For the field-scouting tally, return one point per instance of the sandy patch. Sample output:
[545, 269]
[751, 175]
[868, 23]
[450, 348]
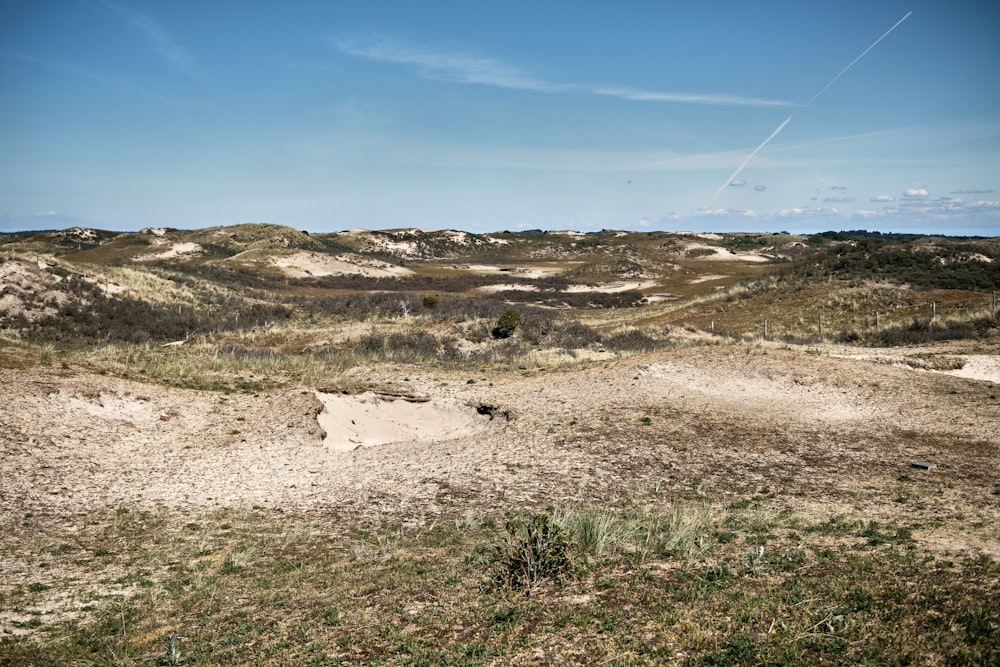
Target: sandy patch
[660, 298]
[706, 278]
[504, 287]
[979, 367]
[785, 397]
[305, 264]
[726, 255]
[701, 235]
[370, 419]
[983, 367]
[612, 288]
[531, 271]
[175, 250]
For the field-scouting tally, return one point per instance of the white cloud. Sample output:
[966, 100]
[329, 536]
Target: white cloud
[446, 63]
[459, 65]
[883, 198]
[915, 193]
[803, 211]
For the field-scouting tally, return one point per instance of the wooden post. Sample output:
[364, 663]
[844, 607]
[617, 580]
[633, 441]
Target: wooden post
[765, 329]
[820, 325]
[712, 326]
[933, 310]
[876, 320]
[994, 310]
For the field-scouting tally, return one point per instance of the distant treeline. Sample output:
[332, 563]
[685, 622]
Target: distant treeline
[946, 265]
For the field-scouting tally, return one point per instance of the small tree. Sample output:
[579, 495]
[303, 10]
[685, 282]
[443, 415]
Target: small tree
[506, 324]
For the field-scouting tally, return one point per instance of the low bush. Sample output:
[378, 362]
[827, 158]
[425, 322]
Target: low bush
[506, 324]
[535, 549]
[631, 340]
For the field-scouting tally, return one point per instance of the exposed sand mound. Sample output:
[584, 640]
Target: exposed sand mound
[305, 264]
[175, 250]
[612, 288]
[726, 255]
[369, 419]
[787, 397]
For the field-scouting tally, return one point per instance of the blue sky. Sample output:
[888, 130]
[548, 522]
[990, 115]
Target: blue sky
[489, 116]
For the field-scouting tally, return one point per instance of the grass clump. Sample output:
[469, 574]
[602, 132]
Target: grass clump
[536, 549]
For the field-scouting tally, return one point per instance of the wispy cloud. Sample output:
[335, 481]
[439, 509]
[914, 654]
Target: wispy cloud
[159, 40]
[448, 63]
[104, 80]
[459, 65]
[720, 99]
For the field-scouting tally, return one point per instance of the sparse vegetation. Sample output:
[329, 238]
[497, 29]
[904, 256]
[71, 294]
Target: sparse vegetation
[211, 593]
[664, 530]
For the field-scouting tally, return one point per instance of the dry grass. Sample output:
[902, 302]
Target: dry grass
[244, 586]
[676, 529]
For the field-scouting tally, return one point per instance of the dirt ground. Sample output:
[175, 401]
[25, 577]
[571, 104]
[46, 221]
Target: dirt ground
[828, 433]
[821, 433]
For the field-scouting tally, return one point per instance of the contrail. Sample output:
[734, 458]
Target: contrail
[747, 159]
[815, 97]
[834, 79]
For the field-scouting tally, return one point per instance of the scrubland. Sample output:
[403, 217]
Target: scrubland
[667, 448]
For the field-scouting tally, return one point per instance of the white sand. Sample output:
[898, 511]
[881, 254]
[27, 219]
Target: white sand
[369, 419]
[726, 255]
[175, 250]
[612, 288]
[303, 264]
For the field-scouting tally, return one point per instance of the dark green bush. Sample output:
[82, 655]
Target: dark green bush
[506, 324]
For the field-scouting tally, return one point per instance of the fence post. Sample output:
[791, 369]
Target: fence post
[712, 326]
[765, 329]
[876, 320]
[994, 310]
[933, 310]
[821, 325]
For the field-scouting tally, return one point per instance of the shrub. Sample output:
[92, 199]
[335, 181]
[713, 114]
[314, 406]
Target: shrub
[535, 549]
[506, 324]
[632, 339]
[575, 334]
